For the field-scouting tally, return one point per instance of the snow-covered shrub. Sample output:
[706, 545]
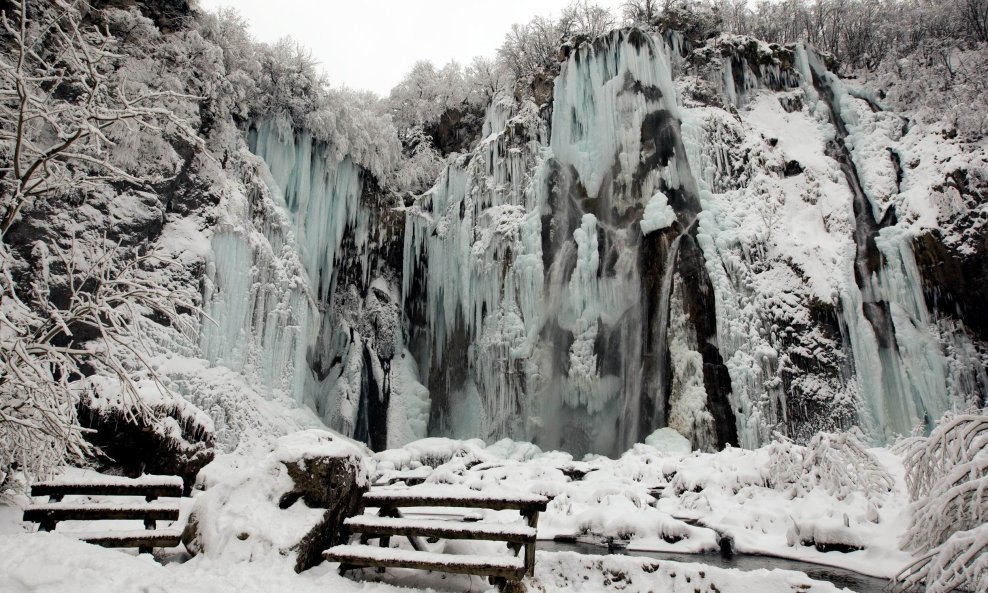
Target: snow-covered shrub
[85, 315]
[837, 462]
[947, 476]
[785, 465]
[941, 81]
[840, 464]
[419, 170]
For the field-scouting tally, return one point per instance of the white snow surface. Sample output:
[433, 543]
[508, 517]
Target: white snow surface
[238, 513]
[105, 480]
[657, 500]
[652, 500]
[658, 214]
[50, 563]
[669, 441]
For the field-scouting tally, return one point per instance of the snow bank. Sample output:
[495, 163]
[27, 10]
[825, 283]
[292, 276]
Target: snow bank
[669, 441]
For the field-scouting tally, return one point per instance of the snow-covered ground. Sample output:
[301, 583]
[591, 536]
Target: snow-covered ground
[650, 499]
[660, 501]
[54, 564]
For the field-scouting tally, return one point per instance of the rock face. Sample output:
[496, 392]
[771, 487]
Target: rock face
[291, 499]
[324, 482]
[711, 235]
[166, 445]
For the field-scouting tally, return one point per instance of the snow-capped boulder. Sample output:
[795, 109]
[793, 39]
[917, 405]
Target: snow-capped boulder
[176, 438]
[669, 441]
[290, 500]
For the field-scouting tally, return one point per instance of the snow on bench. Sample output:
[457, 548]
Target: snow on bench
[506, 567]
[520, 534]
[150, 487]
[390, 522]
[160, 538]
[445, 496]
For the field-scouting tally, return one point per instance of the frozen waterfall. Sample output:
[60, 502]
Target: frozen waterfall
[695, 244]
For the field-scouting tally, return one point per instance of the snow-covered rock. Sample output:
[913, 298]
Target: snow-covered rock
[289, 499]
[669, 441]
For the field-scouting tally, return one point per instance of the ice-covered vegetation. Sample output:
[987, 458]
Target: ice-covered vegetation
[947, 477]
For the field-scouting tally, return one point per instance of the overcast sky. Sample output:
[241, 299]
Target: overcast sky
[371, 44]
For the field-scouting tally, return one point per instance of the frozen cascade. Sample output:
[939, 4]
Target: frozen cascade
[899, 366]
[321, 194]
[260, 316]
[472, 281]
[528, 264]
[583, 281]
[662, 339]
[282, 313]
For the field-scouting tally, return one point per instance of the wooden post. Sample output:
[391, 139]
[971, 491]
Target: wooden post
[533, 522]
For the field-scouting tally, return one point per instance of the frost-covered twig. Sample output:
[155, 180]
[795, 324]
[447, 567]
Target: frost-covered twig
[947, 476]
[60, 99]
[93, 324]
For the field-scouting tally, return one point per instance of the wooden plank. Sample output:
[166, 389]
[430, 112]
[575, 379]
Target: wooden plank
[110, 489]
[47, 513]
[410, 498]
[133, 539]
[367, 556]
[445, 529]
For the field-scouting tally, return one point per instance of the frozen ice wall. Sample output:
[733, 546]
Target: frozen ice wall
[536, 268]
[681, 238]
[300, 294]
[711, 239]
[900, 366]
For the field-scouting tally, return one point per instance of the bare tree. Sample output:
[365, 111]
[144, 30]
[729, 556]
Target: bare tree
[583, 18]
[60, 106]
[976, 14]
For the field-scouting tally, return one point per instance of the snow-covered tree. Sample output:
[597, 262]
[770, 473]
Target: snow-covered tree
[947, 477]
[61, 107]
[531, 49]
[975, 12]
[65, 106]
[485, 79]
[47, 345]
[586, 19]
[642, 12]
[427, 92]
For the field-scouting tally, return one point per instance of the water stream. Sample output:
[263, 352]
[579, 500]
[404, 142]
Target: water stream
[840, 577]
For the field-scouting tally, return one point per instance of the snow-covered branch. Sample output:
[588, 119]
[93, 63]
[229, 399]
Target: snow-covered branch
[947, 476]
[61, 104]
[94, 326]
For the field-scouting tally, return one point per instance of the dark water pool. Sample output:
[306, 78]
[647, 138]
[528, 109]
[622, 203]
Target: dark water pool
[838, 576]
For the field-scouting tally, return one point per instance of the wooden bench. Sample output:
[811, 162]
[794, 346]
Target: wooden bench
[48, 515]
[390, 522]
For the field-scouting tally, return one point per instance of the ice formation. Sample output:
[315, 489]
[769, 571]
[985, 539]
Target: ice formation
[710, 239]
